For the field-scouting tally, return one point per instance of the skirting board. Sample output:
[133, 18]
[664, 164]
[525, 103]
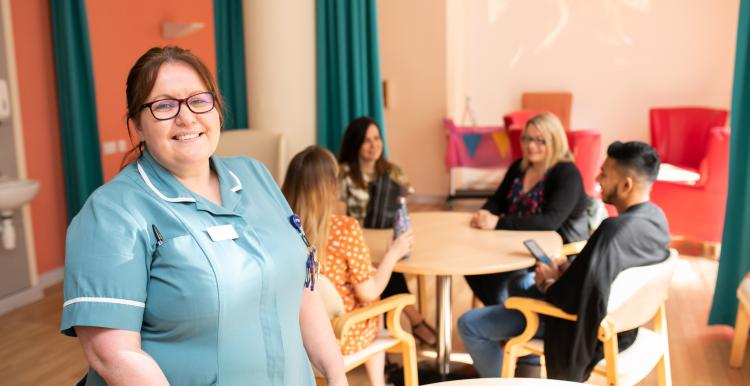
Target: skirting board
[29, 295]
[51, 278]
[20, 299]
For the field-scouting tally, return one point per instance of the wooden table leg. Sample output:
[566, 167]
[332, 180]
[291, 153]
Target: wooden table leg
[444, 324]
[421, 294]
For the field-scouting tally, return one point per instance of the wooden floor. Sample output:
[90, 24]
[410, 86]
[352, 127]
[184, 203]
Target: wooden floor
[33, 352]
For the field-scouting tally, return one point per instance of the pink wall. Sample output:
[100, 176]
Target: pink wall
[36, 79]
[120, 32]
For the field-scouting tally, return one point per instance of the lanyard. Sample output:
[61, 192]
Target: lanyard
[312, 266]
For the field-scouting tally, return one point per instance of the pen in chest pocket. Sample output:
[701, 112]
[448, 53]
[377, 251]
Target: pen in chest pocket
[157, 234]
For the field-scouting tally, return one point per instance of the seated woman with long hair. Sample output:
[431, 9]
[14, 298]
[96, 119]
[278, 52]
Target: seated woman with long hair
[363, 164]
[311, 188]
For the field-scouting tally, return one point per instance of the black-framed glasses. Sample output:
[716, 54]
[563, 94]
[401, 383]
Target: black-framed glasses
[164, 109]
[529, 139]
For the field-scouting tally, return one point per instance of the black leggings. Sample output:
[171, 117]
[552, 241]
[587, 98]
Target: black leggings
[396, 285]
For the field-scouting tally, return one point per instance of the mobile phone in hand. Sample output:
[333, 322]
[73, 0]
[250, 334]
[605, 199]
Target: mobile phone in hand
[537, 252]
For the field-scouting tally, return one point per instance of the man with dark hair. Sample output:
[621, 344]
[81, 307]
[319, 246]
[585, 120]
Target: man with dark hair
[638, 236]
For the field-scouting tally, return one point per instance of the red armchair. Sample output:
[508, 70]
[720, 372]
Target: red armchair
[680, 135]
[586, 146]
[696, 210]
[517, 119]
[514, 136]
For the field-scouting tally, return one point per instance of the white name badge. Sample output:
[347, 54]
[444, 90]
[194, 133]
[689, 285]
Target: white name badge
[222, 232]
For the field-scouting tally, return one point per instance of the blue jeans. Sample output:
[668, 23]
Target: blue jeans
[492, 289]
[482, 328]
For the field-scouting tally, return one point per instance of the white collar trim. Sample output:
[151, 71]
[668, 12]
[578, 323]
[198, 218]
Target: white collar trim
[235, 188]
[158, 193]
[238, 184]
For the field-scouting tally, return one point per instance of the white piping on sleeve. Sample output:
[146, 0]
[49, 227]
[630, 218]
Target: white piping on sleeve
[105, 300]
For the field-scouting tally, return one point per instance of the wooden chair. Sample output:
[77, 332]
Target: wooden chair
[637, 296]
[392, 339]
[741, 326]
[268, 147]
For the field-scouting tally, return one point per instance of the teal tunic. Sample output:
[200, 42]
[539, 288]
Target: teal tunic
[210, 310]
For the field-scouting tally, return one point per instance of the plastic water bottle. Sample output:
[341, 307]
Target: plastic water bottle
[401, 221]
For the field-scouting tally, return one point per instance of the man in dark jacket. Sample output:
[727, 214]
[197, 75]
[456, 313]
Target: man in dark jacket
[638, 236]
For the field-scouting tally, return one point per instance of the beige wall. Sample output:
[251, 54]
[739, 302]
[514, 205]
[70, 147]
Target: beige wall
[412, 51]
[617, 57]
[280, 60]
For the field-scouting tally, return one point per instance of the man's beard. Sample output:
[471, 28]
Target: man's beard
[608, 196]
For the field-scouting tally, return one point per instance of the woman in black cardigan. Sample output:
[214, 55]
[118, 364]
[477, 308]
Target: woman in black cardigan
[541, 191]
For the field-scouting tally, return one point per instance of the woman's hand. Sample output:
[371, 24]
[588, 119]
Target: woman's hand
[484, 220]
[370, 289]
[401, 246]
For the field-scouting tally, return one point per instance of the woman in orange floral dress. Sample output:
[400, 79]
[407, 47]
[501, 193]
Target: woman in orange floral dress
[311, 187]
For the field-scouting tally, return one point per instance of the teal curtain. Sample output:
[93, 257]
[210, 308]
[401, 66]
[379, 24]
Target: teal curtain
[230, 61]
[348, 67]
[82, 163]
[735, 245]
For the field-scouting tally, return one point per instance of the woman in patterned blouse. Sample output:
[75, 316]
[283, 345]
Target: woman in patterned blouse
[543, 190]
[311, 188]
[361, 162]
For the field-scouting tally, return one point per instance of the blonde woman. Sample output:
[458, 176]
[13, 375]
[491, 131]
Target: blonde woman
[311, 187]
[541, 191]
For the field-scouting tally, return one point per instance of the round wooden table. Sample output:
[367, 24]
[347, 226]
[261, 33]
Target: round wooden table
[446, 245]
[506, 382]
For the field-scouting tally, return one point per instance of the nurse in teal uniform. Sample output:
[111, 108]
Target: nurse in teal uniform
[185, 268]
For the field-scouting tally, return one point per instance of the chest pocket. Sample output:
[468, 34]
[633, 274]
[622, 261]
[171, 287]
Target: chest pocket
[182, 283]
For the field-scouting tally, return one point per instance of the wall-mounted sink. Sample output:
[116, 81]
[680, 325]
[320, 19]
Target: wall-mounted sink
[14, 193]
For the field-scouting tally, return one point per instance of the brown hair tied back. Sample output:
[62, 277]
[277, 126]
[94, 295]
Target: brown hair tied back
[141, 79]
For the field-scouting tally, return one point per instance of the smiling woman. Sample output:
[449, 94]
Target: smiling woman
[159, 76]
[182, 140]
[541, 191]
[193, 256]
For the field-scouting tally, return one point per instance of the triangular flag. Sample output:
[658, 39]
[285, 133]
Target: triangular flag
[472, 143]
[502, 142]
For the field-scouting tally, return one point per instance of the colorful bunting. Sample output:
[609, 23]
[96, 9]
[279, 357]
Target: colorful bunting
[502, 142]
[472, 143]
